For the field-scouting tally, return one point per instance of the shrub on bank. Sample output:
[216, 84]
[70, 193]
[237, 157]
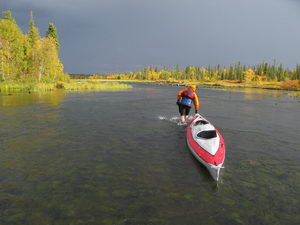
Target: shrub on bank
[291, 85]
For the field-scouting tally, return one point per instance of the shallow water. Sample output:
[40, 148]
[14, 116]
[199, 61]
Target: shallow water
[121, 158]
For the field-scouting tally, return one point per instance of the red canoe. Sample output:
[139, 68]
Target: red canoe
[206, 144]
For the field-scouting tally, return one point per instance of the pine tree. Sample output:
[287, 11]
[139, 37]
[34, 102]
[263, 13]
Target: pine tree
[34, 51]
[33, 33]
[297, 75]
[52, 33]
[177, 72]
[8, 16]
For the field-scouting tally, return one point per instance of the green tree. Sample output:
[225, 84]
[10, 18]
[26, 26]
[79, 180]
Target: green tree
[33, 52]
[33, 32]
[8, 16]
[52, 33]
[297, 72]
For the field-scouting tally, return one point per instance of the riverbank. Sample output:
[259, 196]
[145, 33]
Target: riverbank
[292, 85]
[112, 84]
[73, 85]
[274, 85]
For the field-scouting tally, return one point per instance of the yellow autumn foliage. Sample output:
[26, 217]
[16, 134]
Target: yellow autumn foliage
[250, 76]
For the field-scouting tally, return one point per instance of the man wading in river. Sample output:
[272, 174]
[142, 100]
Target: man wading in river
[185, 99]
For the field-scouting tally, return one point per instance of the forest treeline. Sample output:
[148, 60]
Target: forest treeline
[236, 72]
[29, 57]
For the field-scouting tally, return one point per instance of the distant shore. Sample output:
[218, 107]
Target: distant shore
[272, 85]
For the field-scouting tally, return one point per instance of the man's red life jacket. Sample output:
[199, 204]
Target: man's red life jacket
[187, 97]
[189, 93]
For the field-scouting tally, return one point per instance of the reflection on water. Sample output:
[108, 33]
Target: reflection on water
[120, 158]
[15, 99]
[257, 93]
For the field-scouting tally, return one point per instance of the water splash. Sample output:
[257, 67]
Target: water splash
[175, 119]
[162, 117]
[182, 123]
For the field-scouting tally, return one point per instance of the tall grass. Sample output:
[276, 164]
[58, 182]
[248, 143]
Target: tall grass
[25, 87]
[74, 85]
[84, 85]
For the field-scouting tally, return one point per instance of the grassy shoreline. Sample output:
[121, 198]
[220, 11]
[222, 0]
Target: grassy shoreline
[261, 85]
[271, 85]
[73, 85]
[112, 84]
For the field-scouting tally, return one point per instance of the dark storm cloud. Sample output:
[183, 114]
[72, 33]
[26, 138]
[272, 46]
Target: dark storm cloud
[124, 35]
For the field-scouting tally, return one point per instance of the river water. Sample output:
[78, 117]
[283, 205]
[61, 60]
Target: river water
[120, 158]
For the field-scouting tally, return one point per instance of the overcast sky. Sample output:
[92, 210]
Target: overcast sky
[105, 36]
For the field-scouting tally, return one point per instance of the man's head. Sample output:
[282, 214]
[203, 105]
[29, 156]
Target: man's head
[193, 87]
